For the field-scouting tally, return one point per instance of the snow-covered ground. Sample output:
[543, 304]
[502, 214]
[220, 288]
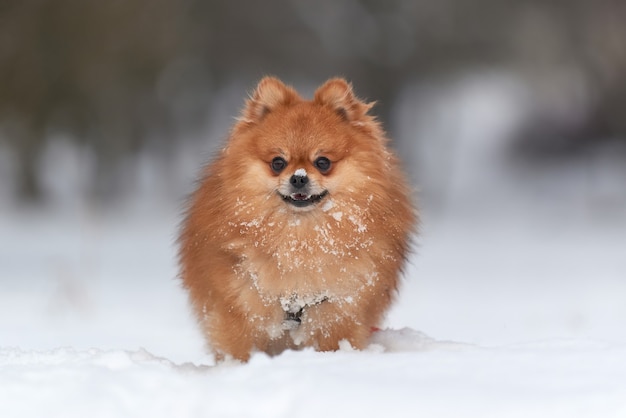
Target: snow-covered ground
[495, 319]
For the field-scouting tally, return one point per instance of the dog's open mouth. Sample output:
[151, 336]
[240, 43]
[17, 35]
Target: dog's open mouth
[302, 200]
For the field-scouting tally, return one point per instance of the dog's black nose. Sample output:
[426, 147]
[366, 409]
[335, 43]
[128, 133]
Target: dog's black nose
[298, 182]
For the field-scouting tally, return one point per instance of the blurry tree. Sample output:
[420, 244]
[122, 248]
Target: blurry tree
[84, 67]
[579, 48]
[119, 74]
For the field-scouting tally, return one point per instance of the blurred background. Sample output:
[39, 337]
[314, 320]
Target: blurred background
[510, 117]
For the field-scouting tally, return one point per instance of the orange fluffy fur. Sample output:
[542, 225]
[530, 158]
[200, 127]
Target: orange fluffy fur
[249, 257]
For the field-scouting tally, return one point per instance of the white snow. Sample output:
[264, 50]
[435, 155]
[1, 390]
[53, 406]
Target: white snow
[328, 204]
[360, 226]
[523, 321]
[424, 378]
[295, 303]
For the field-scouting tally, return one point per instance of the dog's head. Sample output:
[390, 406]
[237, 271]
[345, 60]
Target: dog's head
[300, 153]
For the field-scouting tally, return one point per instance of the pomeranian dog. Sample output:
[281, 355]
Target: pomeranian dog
[299, 229]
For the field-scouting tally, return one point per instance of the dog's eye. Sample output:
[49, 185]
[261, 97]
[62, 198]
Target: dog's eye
[278, 164]
[322, 164]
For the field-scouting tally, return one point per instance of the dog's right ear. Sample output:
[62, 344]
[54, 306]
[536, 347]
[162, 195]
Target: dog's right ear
[269, 94]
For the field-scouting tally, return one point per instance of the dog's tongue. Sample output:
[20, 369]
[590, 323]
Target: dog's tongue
[299, 196]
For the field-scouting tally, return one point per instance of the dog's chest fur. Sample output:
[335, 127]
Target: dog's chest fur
[308, 256]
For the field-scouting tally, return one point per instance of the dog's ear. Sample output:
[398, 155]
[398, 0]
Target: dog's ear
[337, 93]
[269, 94]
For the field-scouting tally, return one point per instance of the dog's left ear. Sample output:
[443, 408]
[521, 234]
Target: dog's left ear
[337, 93]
